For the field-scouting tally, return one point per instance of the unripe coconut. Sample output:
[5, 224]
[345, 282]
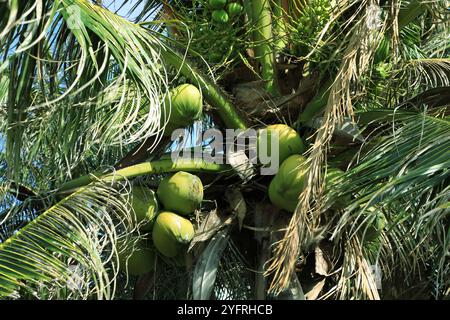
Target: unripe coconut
[184, 104]
[217, 4]
[137, 260]
[286, 186]
[220, 16]
[289, 141]
[144, 205]
[171, 233]
[333, 177]
[234, 9]
[181, 193]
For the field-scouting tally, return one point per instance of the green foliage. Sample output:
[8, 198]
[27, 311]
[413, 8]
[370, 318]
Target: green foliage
[406, 176]
[81, 88]
[69, 246]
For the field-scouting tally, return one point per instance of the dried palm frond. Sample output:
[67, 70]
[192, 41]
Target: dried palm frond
[304, 228]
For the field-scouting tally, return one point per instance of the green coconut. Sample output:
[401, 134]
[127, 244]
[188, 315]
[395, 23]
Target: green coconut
[138, 260]
[220, 16]
[287, 184]
[144, 205]
[183, 105]
[171, 234]
[181, 192]
[217, 4]
[289, 141]
[234, 9]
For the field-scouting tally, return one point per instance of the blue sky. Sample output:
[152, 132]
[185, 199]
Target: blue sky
[115, 6]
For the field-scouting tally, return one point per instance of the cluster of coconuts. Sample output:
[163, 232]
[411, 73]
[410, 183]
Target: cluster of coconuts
[314, 16]
[166, 215]
[287, 184]
[222, 12]
[165, 212]
[180, 195]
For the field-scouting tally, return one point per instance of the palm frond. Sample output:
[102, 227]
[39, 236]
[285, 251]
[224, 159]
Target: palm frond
[69, 249]
[109, 89]
[304, 228]
[406, 177]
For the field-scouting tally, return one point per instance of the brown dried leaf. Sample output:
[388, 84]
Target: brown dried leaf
[314, 293]
[212, 223]
[237, 203]
[322, 265]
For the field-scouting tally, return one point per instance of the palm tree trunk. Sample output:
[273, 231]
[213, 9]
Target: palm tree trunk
[280, 24]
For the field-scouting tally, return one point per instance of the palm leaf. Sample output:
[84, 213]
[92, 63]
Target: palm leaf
[77, 233]
[206, 268]
[406, 176]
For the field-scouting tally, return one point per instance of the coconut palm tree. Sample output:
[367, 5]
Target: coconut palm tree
[83, 115]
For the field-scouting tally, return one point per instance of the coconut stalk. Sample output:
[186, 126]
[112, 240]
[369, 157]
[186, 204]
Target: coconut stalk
[212, 93]
[280, 24]
[145, 168]
[262, 21]
[295, 9]
[250, 21]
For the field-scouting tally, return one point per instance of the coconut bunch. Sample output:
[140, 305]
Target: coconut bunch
[223, 12]
[212, 32]
[312, 17]
[287, 184]
[164, 216]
